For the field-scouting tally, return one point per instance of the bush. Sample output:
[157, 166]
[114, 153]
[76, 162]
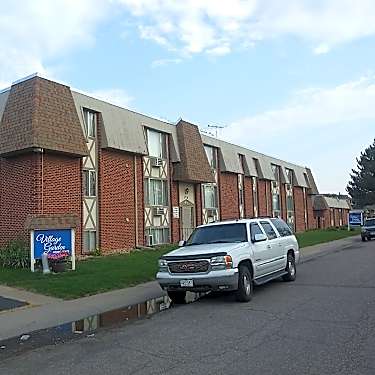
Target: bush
[15, 254]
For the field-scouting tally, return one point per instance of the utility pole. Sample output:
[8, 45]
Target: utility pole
[216, 127]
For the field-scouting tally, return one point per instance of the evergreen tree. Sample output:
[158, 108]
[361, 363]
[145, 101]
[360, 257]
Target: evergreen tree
[362, 185]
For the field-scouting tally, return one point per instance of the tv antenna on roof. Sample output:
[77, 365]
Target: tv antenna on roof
[216, 127]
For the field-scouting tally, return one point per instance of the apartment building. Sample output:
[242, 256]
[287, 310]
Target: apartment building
[331, 210]
[123, 179]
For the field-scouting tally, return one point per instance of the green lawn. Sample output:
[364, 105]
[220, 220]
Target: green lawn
[100, 274]
[94, 275]
[315, 237]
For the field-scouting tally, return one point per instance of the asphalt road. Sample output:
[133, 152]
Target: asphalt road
[323, 323]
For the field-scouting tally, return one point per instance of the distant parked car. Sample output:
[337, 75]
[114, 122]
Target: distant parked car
[368, 229]
[230, 256]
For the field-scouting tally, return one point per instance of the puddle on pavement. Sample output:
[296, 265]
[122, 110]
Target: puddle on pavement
[10, 303]
[125, 314]
[88, 325]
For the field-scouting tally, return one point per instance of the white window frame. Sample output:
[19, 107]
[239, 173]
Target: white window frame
[90, 123]
[164, 193]
[91, 186]
[91, 241]
[160, 144]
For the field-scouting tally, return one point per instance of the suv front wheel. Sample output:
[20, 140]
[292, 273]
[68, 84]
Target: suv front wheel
[290, 269]
[245, 285]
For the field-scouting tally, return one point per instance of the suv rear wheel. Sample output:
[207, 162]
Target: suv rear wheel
[177, 297]
[245, 285]
[290, 269]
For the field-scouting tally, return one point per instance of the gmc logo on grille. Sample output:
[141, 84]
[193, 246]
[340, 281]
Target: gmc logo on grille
[187, 267]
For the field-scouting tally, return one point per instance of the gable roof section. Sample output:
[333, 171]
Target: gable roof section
[122, 128]
[321, 202]
[40, 114]
[230, 163]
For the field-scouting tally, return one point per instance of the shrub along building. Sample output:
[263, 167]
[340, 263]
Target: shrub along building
[124, 179]
[331, 210]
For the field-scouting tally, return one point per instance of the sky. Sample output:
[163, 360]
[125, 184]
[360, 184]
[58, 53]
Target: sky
[293, 79]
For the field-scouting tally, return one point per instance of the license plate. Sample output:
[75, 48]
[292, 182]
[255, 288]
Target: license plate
[186, 283]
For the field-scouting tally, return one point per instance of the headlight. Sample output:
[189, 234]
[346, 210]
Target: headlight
[221, 262]
[163, 265]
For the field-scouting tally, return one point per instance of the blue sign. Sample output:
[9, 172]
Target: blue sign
[355, 218]
[52, 241]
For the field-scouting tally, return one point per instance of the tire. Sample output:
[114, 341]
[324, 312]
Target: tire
[245, 289]
[177, 297]
[290, 269]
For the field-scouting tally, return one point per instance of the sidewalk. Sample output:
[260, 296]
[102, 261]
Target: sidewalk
[46, 312]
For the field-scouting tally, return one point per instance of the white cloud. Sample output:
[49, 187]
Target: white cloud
[311, 108]
[115, 96]
[164, 62]
[35, 32]
[196, 26]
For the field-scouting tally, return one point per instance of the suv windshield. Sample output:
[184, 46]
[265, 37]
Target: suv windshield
[370, 223]
[225, 233]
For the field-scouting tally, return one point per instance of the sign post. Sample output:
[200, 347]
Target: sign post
[355, 219]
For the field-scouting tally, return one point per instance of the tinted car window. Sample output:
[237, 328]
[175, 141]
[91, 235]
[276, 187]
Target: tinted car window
[370, 223]
[282, 227]
[271, 234]
[255, 229]
[218, 234]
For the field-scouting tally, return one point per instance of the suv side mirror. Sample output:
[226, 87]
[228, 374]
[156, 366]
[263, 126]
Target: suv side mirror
[182, 243]
[259, 237]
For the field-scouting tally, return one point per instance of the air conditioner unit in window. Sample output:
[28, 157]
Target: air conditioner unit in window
[211, 212]
[156, 162]
[158, 211]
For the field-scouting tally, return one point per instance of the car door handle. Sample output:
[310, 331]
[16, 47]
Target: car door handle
[268, 246]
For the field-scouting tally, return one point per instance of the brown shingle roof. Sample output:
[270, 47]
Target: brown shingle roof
[194, 166]
[41, 222]
[41, 114]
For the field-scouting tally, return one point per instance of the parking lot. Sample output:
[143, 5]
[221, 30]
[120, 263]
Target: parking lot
[323, 323]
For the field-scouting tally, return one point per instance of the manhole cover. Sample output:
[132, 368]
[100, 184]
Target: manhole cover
[8, 303]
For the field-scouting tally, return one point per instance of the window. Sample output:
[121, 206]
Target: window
[90, 123]
[157, 236]
[255, 196]
[271, 234]
[211, 156]
[89, 241]
[255, 229]
[89, 183]
[156, 192]
[210, 196]
[156, 142]
[225, 233]
[289, 176]
[281, 227]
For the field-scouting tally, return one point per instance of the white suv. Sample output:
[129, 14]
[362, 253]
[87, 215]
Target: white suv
[230, 256]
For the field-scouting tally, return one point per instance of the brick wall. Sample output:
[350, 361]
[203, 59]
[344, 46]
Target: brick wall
[299, 207]
[248, 194]
[140, 201]
[18, 195]
[229, 208]
[116, 201]
[198, 203]
[61, 192]
[311, 223]
[262, 197]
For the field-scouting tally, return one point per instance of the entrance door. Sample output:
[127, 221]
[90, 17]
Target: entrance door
[187, 221]
[187, 209]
